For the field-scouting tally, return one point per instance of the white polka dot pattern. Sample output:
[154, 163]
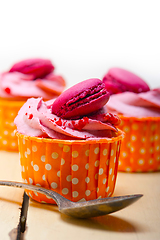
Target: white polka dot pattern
[75, 194]
[75, 167]
[75, 171]
[69, 178]
[36, 168]
[65, 191]
[48, 167]
[54, 155]
[54, 185]
[43, 158]
[8, 112]
[141, 145]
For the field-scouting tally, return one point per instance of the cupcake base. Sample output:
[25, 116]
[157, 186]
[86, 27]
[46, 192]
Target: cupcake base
[8, 112]
[140, 150]
[77, 169]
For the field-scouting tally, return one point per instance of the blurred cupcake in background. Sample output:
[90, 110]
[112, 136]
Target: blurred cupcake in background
[27, 78]
[139, 109]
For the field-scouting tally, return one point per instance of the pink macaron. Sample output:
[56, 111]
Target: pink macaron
[37, 67]
[119, 80]
[83, 98]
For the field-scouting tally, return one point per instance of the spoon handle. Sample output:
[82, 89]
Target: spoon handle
[54, 195]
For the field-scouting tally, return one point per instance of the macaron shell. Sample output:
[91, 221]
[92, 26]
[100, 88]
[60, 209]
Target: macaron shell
[78, 92]
[37, 67]
[121, 79]
[88, 108]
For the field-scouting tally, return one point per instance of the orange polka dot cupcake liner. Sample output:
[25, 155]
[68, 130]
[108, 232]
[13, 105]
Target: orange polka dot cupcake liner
[140, 150]
[8, 112]
[77, 169]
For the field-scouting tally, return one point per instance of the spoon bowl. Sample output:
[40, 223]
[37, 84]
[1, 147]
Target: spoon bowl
[85, 209]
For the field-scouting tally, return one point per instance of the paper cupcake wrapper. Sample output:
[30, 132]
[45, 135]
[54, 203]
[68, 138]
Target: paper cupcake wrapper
[78, 170]
[140, 150]
[8, 112]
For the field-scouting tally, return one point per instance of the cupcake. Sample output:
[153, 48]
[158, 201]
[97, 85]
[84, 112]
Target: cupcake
[25, 79]
[139, 109]
[70, 145]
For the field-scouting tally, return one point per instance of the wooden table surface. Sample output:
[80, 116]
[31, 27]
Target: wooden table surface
[139, 221]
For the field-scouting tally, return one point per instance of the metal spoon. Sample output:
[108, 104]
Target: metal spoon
[86, 209]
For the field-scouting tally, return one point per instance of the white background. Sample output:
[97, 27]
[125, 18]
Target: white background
[83, 38]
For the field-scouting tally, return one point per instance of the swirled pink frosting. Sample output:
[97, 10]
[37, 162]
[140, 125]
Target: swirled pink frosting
[35, 118]
[19, 86]
[146, 104]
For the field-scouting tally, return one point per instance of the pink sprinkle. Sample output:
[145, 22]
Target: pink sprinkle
[59, 122]
[7, 90]
[30, 116]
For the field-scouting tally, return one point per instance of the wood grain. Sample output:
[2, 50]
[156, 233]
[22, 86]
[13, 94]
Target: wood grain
[137, 222]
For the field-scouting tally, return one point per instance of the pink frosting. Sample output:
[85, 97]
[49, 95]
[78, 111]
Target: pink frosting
[146, 104]
[35, 118]
[19, 86]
